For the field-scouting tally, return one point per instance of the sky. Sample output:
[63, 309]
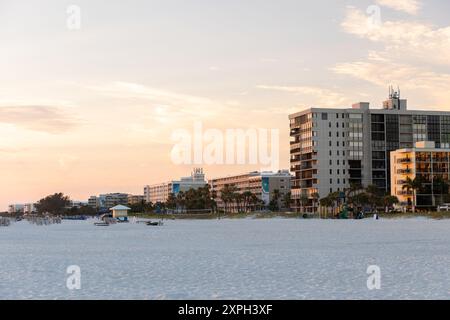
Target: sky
[91, 108]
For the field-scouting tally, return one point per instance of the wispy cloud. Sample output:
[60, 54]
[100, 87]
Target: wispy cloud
[409, 6]
[402, 39]
[47, 119]
[315, 95]
[382, 72]
[414, 54]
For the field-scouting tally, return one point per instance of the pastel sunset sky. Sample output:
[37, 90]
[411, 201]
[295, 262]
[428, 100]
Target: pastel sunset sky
[92, 110]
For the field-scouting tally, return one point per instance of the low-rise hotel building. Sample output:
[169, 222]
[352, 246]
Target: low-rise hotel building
[160, 192]
[107, 201]
[262, 184]
[427, 163]
[135, 199]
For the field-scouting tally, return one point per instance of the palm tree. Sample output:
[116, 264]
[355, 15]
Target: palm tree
[374, 196]
[181, 201]
[412, 185]
[287, 199]
[303, 199]
[315, 198]
[228, 195]
[327, 203]
[247, 196]
[171, 201]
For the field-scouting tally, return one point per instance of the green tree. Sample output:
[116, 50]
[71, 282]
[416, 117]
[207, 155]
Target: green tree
[374, 196]
[55, 204]
[389, 201]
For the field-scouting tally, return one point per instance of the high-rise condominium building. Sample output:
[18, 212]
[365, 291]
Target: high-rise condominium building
[160, 192]
[333, 148]
[262, 184]
[426, 163]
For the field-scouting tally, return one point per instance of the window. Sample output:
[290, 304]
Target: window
[324, 116]
[355, 116]
[331, 171]
[329, 134]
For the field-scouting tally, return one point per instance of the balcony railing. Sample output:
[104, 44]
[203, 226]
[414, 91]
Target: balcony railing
[403, 171]
[404, 160]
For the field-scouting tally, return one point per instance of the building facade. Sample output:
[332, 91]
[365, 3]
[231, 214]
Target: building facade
[107, 201]
[428, 164]
[333, 148]
[16, 208]
[135, 199]
[160, 192]
[262, 184]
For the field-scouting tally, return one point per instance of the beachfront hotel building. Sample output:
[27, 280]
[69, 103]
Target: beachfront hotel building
[429, 164]
[135, 199]
[160, 192]
[332, 148]
[262, 184]
[107, 201]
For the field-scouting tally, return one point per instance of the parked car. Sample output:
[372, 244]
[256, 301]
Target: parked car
[444, 207]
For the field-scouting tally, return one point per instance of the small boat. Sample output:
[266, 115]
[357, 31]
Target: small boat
[150, 223]
[101, 224]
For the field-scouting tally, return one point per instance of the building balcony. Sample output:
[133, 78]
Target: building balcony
[404, 160]
[404, 171]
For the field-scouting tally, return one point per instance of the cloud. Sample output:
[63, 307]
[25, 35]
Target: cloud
[407, 40]
[47, 119]
[383, 72]
[409, 6]
[316, 95]
[414, 55]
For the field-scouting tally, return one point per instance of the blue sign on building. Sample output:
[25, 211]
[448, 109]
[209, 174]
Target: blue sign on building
[175, 188]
